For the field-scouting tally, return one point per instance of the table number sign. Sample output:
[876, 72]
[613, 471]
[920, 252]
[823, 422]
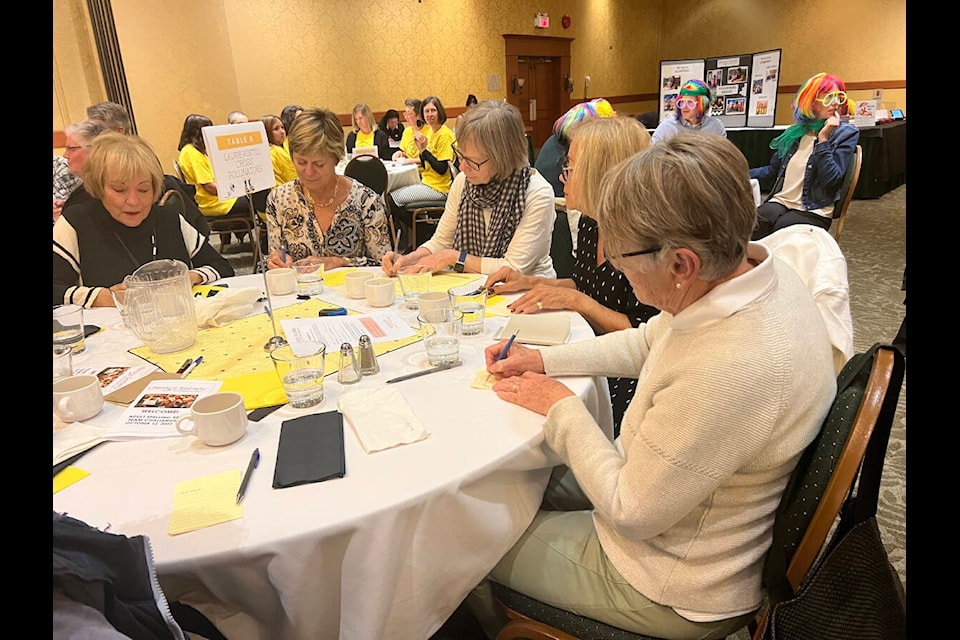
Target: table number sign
[240, 156]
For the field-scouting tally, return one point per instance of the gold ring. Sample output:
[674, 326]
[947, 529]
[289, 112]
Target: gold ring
[539, 305]
[516, 388]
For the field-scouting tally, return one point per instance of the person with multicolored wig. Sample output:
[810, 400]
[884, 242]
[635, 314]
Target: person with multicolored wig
[810, 159]
[691, 114]
[553, 154]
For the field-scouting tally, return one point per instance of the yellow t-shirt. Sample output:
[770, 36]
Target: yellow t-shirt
[440, 144]
[408, 146]
[365, 139]
[283, 170]
[197, 170]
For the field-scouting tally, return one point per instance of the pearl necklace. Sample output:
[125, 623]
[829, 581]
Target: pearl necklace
[313, 203]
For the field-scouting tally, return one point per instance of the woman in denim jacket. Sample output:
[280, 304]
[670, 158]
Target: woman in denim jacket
[810, 161]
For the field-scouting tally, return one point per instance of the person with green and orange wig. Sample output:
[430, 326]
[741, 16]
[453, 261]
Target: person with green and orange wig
[553, 154]
[692, 114]
[810, 159]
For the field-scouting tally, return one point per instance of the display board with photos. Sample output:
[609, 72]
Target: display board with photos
[743, 86]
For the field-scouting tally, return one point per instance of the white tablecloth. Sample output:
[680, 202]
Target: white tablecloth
[388, 551]
[398, 175]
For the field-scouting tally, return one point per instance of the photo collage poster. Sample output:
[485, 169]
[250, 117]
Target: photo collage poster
[672, 76]
[744, 86]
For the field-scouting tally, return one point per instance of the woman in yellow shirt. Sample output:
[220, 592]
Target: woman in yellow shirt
[283, 170]
[366, 134]
[434, 145]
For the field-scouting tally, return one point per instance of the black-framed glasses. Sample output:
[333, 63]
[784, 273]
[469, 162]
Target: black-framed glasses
[473, 163]
[642, 252]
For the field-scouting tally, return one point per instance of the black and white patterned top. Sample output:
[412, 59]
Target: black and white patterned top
[358, 231]
[610, 288]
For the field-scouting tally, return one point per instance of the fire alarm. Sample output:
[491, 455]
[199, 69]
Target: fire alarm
[565, 21]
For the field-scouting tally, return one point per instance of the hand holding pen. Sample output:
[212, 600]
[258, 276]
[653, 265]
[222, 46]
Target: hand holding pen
[513, 360]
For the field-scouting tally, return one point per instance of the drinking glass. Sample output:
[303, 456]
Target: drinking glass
[309, 276]
[440, 330]
[62, 361]
[68, 327]
[301, 372]
[414, 280]
[472, 301]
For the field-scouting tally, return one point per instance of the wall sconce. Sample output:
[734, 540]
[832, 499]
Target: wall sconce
[518, 84]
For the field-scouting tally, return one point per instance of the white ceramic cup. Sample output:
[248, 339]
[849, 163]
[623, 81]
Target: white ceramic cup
[434, 300]
[217, 419]
[380, 292]
[77, 398]
[353, 283]
[281, 282]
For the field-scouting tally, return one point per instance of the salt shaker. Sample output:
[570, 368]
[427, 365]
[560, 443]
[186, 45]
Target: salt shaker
[368, 358]
[349, 369]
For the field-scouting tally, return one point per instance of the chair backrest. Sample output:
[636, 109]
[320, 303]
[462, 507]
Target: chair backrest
[369, 171]
[176, 167]
[561, 245]
[867, 392]
[850, 179]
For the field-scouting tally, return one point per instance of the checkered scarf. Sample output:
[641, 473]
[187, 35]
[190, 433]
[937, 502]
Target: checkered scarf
[507, 198]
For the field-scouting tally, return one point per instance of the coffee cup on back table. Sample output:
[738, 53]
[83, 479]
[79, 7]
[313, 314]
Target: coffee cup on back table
[77, 398]
[217, 419]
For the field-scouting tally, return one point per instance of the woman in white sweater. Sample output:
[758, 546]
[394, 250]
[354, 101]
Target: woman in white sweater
[664, 531]
[499, 212]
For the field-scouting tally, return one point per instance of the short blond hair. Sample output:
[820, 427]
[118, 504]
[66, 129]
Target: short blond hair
[367, 114]
[691, 191]
[601, 145]
[120, 157]
[317, 132]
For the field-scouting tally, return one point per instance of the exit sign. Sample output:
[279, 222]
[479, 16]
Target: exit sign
[542, 21]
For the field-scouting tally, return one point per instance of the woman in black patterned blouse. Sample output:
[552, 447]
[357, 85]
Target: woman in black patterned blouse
[597, 291]
[331, 217]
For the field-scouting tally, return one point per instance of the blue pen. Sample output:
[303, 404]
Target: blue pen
[253, 464]
[192, 366]
[506, 347]
[283, 254]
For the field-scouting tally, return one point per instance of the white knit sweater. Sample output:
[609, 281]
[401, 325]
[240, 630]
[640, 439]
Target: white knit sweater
[730, 392]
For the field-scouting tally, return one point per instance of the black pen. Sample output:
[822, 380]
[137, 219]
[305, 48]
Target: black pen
[254, 461]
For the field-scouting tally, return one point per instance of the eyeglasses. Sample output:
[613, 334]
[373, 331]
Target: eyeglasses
[642, 252]
[71, 149]
[832, 98]
[565, 173]
[472, 163]
[689, 103]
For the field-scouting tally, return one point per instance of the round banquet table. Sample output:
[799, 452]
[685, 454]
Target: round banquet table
[388, 551]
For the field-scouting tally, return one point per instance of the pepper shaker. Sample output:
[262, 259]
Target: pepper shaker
[349, 369]
[368, 358]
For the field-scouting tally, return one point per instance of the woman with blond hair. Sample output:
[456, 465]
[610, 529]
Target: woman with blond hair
[597, 291]
[98, 243]
[366, 133]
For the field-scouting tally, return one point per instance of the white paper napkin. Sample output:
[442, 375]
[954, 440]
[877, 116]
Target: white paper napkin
[381, 418]
[225, 307]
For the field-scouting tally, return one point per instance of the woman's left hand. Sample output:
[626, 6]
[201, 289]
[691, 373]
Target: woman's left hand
[544, 297]
[534, 391]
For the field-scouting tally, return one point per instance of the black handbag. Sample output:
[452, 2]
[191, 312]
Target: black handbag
[853, 592]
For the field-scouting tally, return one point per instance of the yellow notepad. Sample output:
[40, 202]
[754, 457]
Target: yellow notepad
[205, 502]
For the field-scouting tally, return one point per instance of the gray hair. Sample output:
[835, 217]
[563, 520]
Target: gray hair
[234, 117]
[86, 131]
[113, 115]
[497, 127]
[692, 191]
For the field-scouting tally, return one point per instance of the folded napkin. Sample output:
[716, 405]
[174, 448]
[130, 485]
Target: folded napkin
[381, 418]
[70, 439]
[226, 306]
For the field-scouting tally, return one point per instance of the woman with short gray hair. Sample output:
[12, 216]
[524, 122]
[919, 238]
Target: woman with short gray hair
[664, 531]
[500, 210]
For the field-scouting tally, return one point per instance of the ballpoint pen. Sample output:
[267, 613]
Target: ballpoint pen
[503, 352]
[417, 374]
[186, 364]
[254, 461]
[193, 365]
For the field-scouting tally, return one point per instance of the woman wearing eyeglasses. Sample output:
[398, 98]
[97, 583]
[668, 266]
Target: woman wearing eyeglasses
[691, 114]
[500, 210]
[810, 160]
[79, 137]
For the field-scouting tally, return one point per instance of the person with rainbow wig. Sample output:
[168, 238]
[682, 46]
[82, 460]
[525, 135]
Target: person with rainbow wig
[553, 154]
[691, 114]
[810, 159]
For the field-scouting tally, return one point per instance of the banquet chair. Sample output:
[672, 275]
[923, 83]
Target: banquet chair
[561, 243]
[818, 486]
[370, 172]
[847, 188]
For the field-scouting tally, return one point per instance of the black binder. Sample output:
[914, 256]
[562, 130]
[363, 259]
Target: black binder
[310, 450]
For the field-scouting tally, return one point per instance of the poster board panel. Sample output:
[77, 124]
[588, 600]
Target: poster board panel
[729, 79]
[763, 89]
[673, 73]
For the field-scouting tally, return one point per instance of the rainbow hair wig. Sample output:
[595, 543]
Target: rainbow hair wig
[596, 108]
[808, 92]
[700, 91]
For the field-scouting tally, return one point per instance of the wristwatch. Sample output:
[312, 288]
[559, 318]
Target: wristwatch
[461, 262]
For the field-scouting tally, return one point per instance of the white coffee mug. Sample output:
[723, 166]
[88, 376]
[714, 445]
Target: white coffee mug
[434, 300]
[380, 292]
[77, 398]
[353, 283]
[281, 282]
[217, 419]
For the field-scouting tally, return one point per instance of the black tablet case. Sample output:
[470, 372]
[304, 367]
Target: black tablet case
[310, 450]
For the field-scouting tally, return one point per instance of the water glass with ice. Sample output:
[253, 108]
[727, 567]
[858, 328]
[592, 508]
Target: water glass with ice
[300, 368]
[440, 330]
